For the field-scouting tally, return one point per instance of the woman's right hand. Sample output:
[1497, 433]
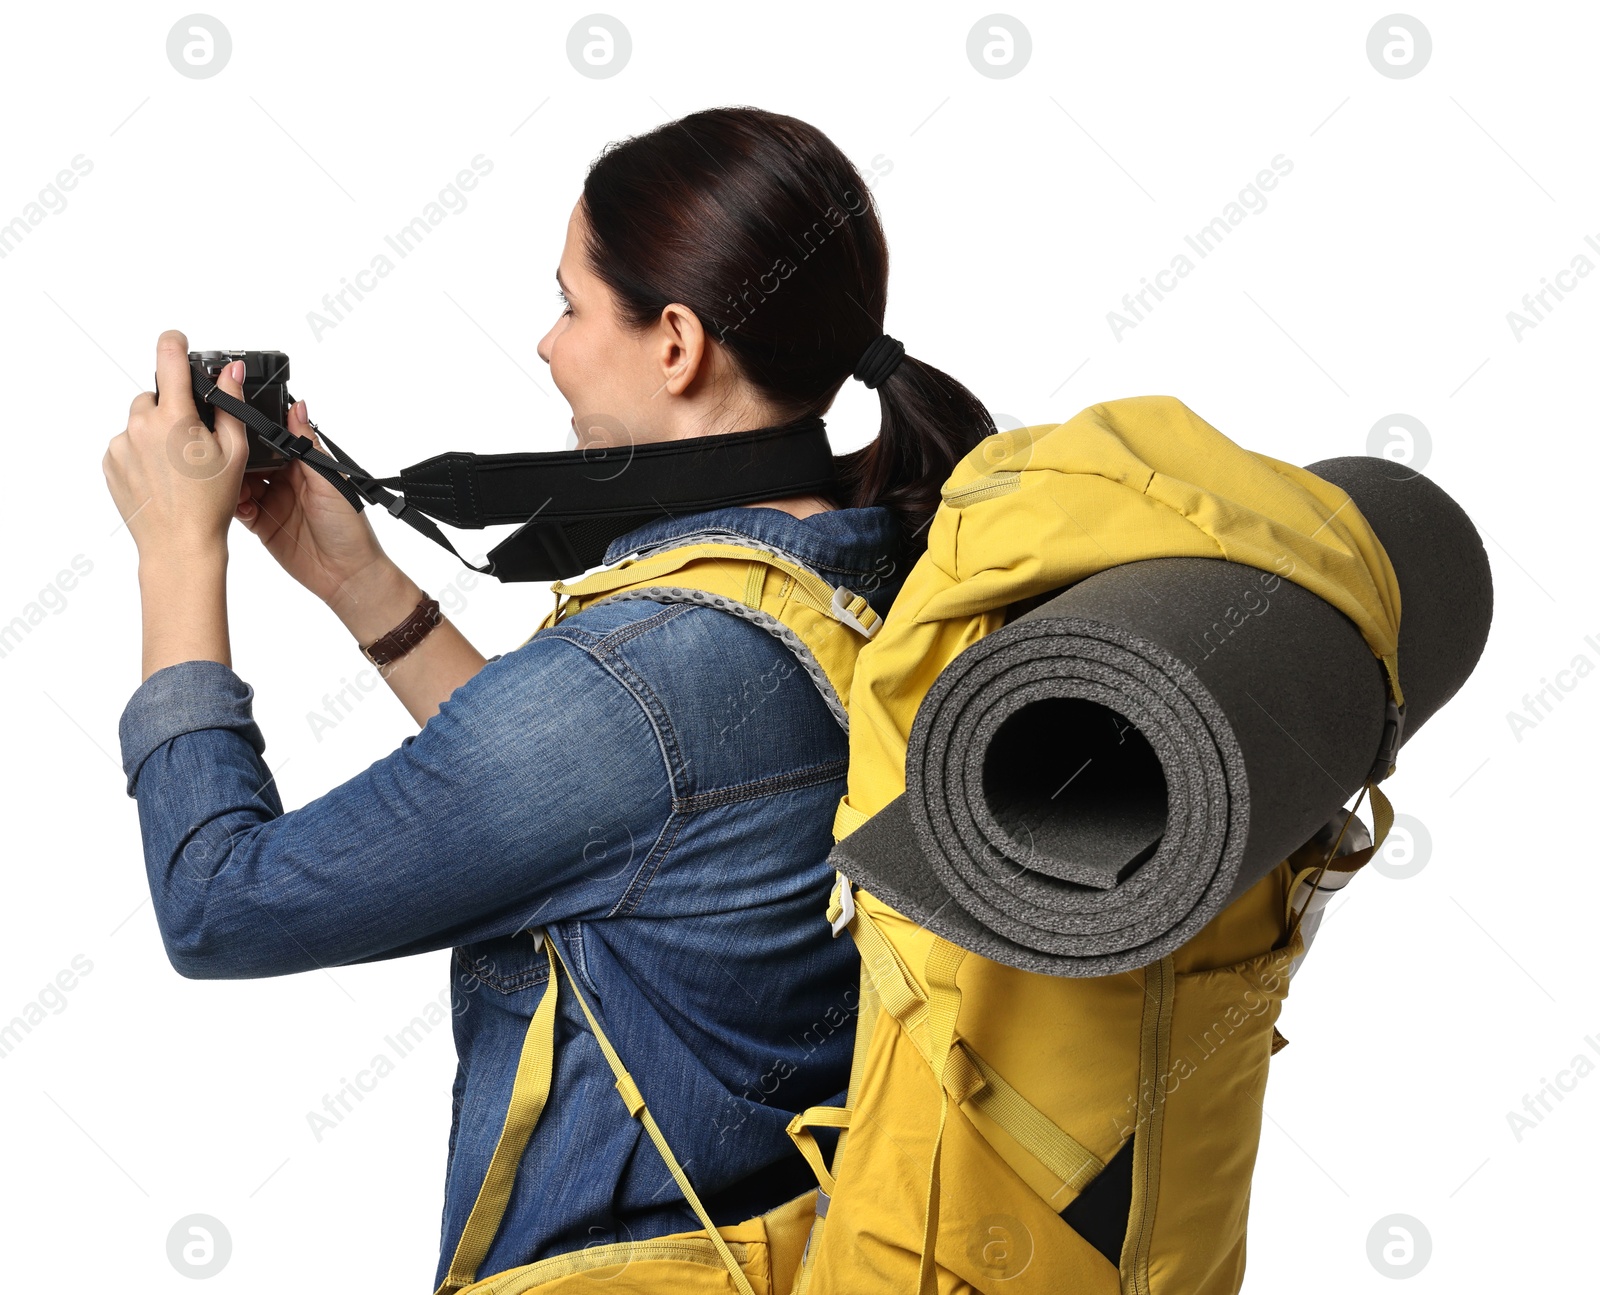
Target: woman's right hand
[308, 526]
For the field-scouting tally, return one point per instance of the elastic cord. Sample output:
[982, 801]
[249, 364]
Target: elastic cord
[878, 361]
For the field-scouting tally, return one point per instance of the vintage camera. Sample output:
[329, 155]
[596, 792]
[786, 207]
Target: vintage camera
[266, 388]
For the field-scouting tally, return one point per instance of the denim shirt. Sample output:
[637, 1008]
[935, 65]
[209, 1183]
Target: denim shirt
[654, 785]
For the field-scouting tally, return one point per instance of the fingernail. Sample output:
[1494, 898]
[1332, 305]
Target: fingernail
[300, 411]
[236, 371]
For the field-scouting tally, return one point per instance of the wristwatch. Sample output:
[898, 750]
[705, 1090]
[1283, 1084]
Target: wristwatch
[406, 635]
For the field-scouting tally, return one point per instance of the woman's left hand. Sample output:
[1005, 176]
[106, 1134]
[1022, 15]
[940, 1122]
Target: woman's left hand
[176, 483]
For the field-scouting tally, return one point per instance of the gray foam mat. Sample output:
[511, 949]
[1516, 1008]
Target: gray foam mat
[1090, 785]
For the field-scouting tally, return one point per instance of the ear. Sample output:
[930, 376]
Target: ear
[684, 351]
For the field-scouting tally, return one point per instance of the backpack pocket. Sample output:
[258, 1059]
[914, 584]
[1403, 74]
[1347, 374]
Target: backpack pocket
[1206, 1043]
[995, 1233]
[1098, 1137]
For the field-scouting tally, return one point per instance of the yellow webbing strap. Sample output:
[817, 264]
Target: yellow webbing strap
[1053, 1147]
[633, 1099]
[965, 1073]
[838, 1117]
[754, 581]
[1382, 821]
[896, 989]
[817, 1117]
[529, 1092]
[846, 818]
[868, 1008]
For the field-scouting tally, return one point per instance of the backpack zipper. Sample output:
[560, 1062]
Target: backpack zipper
[989, 486]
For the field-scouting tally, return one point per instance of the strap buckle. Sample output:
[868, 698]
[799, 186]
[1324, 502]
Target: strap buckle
[1394, 727]
[845, 889]
[840, 612]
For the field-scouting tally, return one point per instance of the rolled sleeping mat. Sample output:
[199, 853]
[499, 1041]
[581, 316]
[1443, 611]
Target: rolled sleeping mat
[1091, 784]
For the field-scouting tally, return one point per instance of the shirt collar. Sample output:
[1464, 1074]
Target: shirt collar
[850, 544]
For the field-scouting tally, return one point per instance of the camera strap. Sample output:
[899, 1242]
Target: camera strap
[572, 503]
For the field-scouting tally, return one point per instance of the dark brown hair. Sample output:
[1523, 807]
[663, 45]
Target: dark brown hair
[761, 226]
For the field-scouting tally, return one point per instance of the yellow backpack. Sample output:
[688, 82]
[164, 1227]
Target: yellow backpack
[1009, 1131]
[979, 1152]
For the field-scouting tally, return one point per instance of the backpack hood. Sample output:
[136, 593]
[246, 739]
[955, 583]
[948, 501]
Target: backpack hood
[1037, 509]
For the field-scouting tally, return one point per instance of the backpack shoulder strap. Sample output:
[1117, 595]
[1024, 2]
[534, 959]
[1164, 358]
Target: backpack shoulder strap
[529, 1095]
[633, 1099]
[822, 625]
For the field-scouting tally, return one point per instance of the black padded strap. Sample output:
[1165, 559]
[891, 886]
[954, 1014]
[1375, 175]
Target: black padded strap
[572, 503]
[575, 486]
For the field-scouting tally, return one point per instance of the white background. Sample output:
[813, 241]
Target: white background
[1019, 211]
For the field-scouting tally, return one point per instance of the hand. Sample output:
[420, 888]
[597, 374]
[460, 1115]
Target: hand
[310, 528]
[175, 482]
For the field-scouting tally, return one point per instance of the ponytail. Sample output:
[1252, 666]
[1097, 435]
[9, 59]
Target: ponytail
[930, 423]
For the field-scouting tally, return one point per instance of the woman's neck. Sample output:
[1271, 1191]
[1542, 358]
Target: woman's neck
[795, 505]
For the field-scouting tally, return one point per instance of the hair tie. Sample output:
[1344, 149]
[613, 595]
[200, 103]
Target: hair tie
[878, 361]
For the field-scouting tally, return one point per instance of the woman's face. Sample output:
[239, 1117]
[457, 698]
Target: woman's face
[662, 383]
[623, 386]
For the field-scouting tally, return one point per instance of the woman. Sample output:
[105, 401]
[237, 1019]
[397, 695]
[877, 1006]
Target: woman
[617, 780]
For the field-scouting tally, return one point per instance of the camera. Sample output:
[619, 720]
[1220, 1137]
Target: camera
[266, 388]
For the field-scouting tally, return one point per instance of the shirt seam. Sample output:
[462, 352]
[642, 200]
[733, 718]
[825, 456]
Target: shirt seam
[582, 637]
[667, 745]
[633, 896]
[666, 735]
[772, 785]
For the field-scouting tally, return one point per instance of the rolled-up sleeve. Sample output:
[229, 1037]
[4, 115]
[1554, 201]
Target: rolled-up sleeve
[489, 820]
[185, 698]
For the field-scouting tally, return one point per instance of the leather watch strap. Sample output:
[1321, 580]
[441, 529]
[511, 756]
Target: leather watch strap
[406, 635]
